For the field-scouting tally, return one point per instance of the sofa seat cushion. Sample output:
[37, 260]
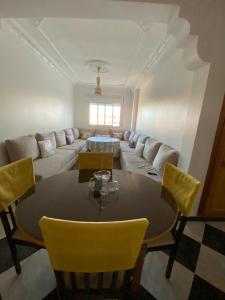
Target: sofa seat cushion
[49, 166]
[124, 147]
[22, 147]
[133, 163]
[77, 146]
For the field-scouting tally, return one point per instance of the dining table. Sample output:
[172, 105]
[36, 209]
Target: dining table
[67, 196]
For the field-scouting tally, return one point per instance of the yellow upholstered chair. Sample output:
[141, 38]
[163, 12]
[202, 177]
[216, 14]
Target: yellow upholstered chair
[183, 188]
[16, 180]
[92, 247]
[95, 160]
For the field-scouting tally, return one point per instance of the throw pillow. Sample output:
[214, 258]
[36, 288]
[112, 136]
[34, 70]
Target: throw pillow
[139, 149]
[165, 154]
[22, 147]
[126, 135]
[70, 139]
[150, 150]
[60, 137]
[47, 136]
[46, 148]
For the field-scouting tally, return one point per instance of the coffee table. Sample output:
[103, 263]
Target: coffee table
[104, 144]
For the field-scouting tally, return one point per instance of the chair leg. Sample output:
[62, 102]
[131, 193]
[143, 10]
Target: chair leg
[11, 244]
[171, 260]
[183, 221]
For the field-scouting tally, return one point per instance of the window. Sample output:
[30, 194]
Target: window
[105, 114]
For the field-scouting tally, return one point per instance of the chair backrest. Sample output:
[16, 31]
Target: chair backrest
[95, 160]
[93, 246]
[15, 180]
[182, 186]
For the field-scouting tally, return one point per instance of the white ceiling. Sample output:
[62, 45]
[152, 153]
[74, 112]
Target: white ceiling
[123, 44]
[126, 35]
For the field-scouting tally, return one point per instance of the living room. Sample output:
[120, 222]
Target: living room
[160, 70]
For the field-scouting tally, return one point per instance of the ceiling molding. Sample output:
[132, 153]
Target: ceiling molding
[16, 30]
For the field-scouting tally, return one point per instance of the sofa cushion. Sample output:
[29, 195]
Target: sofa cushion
[77, 146]
[135, 138]
[150, 150]
[76, 132]
[21, 147]
[131, 135]
[142, 138]
[68, 131]
[139, 149]
[46, 148]
[49, 166]
[47, 136]
[60, 138]
[86, 133]
[117, 134]
[165, 154]
[100, 132]
[126, 135]
[70, 139]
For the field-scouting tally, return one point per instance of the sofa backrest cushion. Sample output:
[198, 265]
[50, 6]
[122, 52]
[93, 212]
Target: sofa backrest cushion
[60, 138]
[126, 135]
[47, 136]
[135, 138]
[22, 147]
[131, 136]
[68, 131]
[139, 149]
[100, 132]
[76, 133]
[164, 155]
[150, 150]
[117, 134]
[86, 133]
[142, 138]
[46, 148]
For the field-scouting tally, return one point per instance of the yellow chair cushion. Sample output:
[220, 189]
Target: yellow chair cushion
[93, 246]
[15, 180]
[182, 186]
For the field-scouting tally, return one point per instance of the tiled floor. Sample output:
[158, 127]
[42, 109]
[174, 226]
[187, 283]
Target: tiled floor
[198, 273]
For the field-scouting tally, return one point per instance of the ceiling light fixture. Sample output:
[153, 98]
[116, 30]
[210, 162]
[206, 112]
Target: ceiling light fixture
[98, 90]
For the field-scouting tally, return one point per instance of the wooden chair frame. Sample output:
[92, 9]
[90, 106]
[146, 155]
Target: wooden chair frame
[176, 232]
[129, 289]
[7, 217]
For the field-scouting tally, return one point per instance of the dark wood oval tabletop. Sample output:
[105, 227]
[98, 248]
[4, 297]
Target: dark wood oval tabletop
[66, 196]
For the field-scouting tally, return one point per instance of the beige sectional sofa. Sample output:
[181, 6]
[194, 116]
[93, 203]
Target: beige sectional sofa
[143, 155]
[138, 153]
[64, 158]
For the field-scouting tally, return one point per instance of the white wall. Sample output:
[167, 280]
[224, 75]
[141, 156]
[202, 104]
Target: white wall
[33, 96]
[163, 101]
[84, 94]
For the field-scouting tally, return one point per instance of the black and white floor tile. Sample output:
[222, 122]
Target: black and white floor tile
[198, 273]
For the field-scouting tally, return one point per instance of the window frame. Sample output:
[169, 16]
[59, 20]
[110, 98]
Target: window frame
[105, 104]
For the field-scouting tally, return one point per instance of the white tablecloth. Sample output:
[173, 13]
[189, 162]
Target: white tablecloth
[104, 144]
